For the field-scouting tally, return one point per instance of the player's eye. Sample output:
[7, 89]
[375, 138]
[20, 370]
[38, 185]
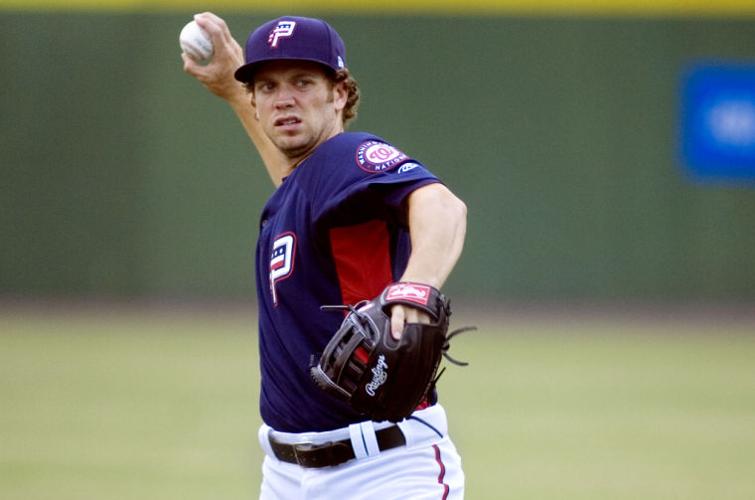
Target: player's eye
[304, 82]
[265, 87]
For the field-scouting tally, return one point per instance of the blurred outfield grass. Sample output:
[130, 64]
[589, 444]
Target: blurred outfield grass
[161, 404]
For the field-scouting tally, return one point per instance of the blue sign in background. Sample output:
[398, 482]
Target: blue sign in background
[718, 121]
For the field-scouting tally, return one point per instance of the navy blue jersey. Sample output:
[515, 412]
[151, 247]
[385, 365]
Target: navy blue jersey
[334, 232]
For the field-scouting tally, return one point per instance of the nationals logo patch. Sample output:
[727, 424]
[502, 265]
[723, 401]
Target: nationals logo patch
[375, 156]
[281, 261]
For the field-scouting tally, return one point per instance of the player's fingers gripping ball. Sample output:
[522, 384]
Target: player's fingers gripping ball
[380, 376]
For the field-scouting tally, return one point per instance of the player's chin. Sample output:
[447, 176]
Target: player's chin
[294, 147]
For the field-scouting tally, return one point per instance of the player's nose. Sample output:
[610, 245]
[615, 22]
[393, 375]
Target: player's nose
[284, 99]
[284, 104]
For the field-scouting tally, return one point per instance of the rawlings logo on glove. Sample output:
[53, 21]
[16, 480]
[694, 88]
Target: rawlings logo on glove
[355, 364]
[379, 376]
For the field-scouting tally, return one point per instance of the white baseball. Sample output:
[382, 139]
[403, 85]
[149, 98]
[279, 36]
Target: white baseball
[195, 42]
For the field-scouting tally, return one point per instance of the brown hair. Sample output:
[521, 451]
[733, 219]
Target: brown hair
[352, 99]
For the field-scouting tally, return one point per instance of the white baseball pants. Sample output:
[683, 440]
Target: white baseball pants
[428, 467]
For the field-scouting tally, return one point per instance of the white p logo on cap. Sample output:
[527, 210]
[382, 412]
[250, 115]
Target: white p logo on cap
[283, 30]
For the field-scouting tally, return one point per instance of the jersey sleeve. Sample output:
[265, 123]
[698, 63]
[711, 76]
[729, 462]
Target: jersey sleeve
[371, 182]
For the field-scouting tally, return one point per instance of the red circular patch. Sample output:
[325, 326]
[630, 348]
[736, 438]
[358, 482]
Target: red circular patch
[375, 156]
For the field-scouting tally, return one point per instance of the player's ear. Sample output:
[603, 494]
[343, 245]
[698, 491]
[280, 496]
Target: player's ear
[340, 95]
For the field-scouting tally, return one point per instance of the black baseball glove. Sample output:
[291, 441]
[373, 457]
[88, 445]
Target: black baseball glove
[381, 377]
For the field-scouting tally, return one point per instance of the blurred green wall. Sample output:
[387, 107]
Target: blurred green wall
[120, 175]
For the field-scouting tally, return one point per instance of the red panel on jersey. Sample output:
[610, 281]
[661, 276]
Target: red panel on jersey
[363, 260]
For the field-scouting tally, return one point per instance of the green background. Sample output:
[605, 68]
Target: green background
[121, 176]
[157, 404]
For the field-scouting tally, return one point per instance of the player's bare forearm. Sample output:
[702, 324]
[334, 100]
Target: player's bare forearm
[217, 77]
[437, 225]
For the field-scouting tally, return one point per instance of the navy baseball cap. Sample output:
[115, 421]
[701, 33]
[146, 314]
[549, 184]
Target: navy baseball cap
[293, 38]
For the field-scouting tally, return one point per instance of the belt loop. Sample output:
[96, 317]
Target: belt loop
[358, 443]
[370, 440]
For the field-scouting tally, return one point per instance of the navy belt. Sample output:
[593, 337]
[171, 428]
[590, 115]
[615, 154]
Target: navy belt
[333, 452]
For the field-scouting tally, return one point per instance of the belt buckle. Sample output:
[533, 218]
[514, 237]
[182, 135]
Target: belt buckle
[310, 458]
[307, 457]
[303, 447]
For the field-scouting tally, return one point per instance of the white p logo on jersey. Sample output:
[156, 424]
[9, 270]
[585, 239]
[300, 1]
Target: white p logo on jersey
[283, 30]
[281, 260]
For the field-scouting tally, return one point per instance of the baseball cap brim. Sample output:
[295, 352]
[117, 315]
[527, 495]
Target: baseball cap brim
[245, 74]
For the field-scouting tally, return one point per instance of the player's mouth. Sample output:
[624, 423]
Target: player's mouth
[287, 122]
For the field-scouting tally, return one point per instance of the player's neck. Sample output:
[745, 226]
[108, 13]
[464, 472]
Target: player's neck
[295, 161]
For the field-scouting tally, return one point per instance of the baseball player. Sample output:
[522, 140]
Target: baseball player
[351, 214]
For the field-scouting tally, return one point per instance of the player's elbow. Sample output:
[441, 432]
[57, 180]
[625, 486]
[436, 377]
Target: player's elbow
[460, 208]
[455, 210]
[460, 212]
